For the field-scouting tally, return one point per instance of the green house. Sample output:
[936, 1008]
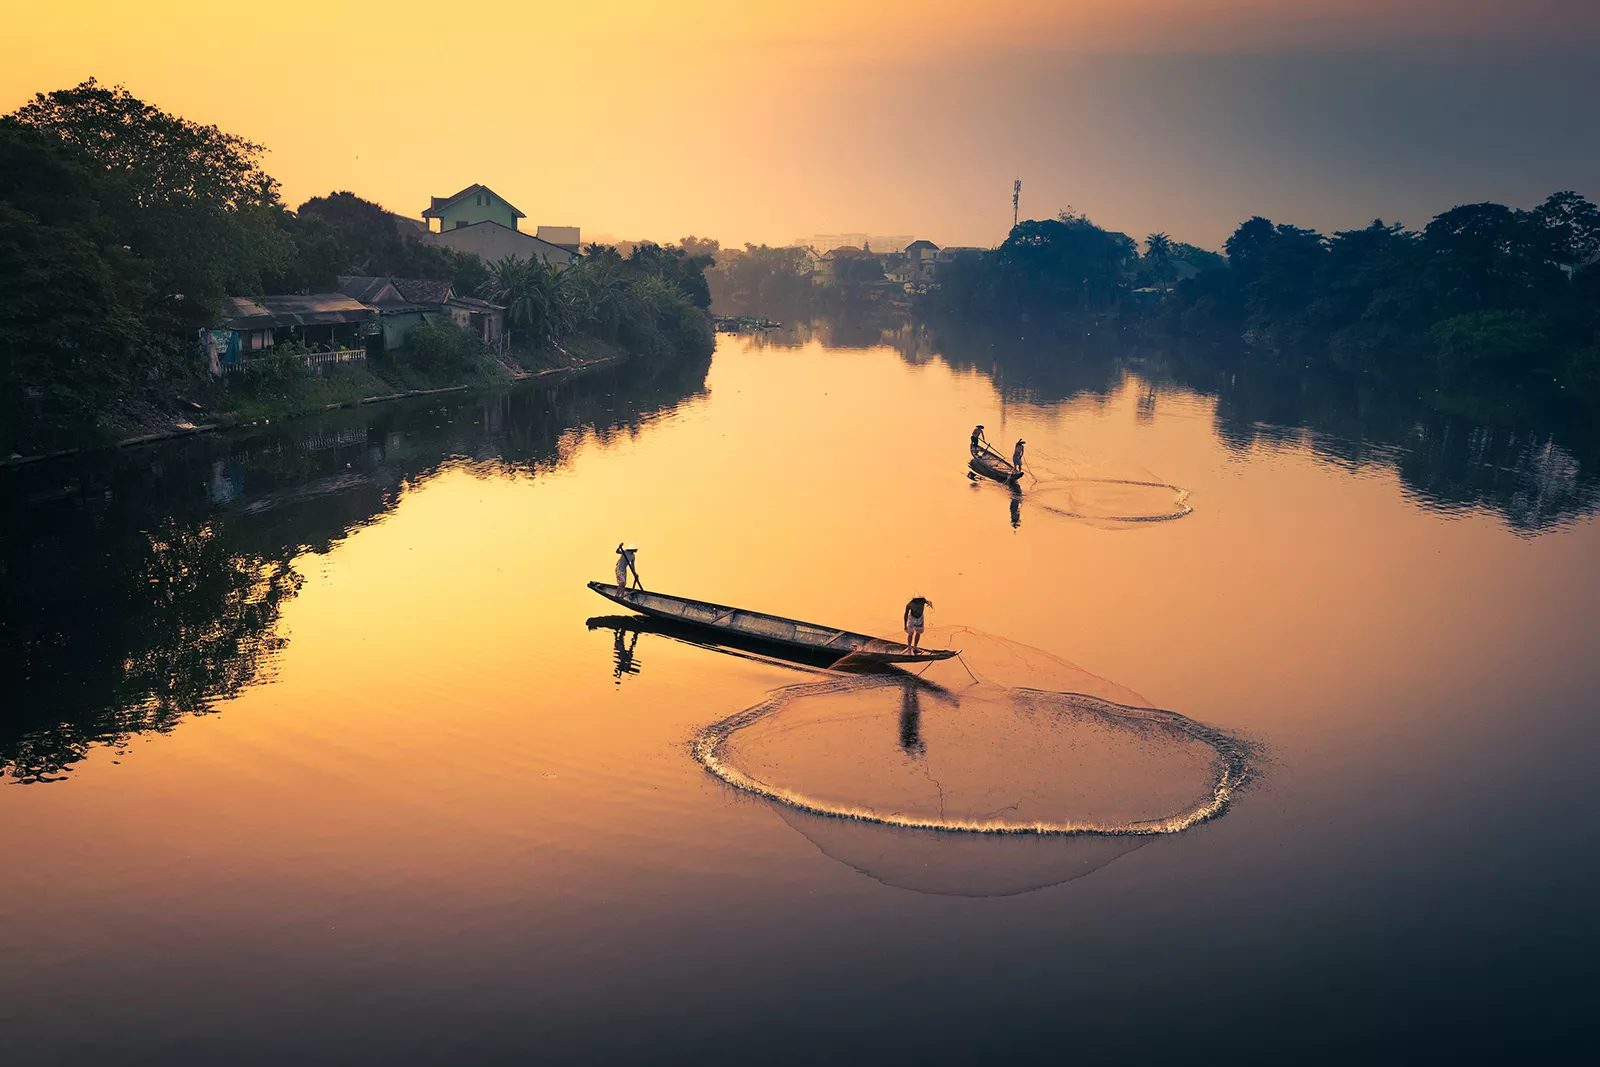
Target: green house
[472, 205]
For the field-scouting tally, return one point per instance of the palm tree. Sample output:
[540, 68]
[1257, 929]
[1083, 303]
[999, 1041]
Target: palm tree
[534, 298]
[1158, 250]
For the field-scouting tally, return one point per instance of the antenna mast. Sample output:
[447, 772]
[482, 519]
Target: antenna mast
[1016, 195]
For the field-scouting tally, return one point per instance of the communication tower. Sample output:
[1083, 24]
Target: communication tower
[1016, 196]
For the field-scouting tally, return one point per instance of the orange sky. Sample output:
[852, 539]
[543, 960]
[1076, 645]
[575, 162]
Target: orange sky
[756, 121]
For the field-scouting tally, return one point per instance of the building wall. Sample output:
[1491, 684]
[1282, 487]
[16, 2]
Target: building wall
[396, 326]
[490, 242]
[471, 209]
[560, 235]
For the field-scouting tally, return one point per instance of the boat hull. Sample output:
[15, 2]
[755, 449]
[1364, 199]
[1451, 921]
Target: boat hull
[996, 468]
[823, 642]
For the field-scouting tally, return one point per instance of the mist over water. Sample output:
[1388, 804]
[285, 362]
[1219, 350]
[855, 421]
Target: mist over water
[317, 735]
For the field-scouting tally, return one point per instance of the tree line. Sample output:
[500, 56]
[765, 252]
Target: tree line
[1482, 289]
[123, 228]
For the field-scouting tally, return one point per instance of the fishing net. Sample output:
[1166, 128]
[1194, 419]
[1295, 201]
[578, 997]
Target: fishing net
[1004, 740]
[959, 865]
[1108, 500]
[1111, 494]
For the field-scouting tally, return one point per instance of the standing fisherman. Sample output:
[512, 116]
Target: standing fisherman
[1016, 455]
[915, 621]
[978, 443]
[624, 565]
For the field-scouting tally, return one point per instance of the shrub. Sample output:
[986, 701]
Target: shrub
[1499, 339]
[441, 345]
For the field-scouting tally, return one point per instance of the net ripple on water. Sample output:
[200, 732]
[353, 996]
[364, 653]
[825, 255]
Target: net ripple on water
[979, 753]
[1115, 500]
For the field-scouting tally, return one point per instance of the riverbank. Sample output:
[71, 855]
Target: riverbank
[249, 403]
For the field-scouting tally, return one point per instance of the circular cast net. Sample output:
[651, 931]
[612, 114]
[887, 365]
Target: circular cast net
[1109, 494]
[1110, 500]
[1005, 740]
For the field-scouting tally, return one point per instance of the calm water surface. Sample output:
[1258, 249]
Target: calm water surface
[311, 756]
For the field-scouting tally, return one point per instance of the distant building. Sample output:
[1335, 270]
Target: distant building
[881, 243]
[847, 264]
[566, 236]
[921, 258]
[480, 221]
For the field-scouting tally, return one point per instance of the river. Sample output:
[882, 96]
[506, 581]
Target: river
[313, 753]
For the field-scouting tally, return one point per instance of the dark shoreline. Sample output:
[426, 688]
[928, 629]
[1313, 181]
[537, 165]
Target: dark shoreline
[225, 424]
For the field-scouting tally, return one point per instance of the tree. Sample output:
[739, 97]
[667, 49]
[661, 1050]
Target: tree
[372, 241]
[1158, 249]
[194, 206]
[537, 305]
[162, 157]
[1487, 257]
[1572, 227]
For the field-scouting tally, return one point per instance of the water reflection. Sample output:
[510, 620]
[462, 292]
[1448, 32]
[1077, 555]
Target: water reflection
[629, 627]
[145, 586]
[622, 650]
[1455, 444]
[910, 721]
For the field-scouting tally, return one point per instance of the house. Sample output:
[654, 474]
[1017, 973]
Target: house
[402, 304]
[337, 325]
[921, 257]
[846, 264]
[480, 221]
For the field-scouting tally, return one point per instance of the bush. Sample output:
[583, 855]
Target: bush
[441, 346]
[282, 364]
[1499, 339]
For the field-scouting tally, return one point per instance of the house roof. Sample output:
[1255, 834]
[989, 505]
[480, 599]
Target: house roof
[443, 236]
[848, 252]
[381, 293]
[922, 244]
[442, 202]
[423, 290]
[299, 309]
[475, 304]
[369, 290]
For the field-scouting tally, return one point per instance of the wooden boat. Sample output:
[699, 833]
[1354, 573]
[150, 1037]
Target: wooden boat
[822, 642]
[992, 465]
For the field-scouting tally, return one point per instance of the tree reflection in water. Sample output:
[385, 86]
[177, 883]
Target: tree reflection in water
[1455, 443]
[144, 586]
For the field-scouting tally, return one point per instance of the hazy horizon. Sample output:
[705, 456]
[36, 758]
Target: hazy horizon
[742, 124]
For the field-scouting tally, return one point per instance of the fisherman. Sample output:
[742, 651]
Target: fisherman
[625, 563]
[914, 620]
[978, 442]
[1016, 454]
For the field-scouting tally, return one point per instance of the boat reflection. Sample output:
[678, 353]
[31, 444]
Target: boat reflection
[731, 644]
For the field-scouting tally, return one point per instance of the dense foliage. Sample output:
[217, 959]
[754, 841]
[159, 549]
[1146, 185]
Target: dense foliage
[1482, 289]
[123, 228]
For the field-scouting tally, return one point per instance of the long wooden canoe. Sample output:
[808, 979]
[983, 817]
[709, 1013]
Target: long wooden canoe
[993, 466]
[824, 641]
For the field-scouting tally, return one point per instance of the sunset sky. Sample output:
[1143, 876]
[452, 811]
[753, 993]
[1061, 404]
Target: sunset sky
[766, 121]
